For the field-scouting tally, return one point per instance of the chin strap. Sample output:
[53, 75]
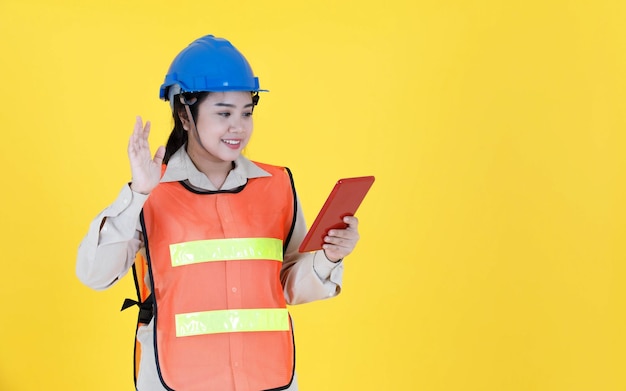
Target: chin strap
[192, 122]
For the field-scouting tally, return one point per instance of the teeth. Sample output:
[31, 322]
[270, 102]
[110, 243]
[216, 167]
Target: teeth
[231, 142]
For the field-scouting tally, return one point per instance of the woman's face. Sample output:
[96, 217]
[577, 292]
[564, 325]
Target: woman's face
[224, 124]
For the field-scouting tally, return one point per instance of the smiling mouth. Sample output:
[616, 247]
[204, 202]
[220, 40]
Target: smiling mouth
[232, 142]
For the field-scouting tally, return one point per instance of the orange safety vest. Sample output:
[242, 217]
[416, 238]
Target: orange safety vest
[214, 260]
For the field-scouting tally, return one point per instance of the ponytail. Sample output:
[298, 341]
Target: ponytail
[178, 137]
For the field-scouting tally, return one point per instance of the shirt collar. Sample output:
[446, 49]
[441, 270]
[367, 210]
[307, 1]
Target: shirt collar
[180, 167]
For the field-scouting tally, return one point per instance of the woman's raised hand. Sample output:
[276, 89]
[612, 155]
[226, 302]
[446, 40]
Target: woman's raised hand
[145, 169]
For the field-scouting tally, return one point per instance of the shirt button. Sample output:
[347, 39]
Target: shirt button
[234, 289]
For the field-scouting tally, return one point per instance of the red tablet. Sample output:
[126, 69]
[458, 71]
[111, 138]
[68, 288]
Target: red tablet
[344, 200]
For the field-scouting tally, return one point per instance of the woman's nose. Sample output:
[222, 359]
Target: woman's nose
[236, 124]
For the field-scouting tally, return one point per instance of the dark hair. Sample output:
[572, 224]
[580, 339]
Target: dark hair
[178, 137]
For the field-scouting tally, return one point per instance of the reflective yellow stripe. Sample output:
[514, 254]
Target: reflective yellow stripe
[199, 251]
[230, 321]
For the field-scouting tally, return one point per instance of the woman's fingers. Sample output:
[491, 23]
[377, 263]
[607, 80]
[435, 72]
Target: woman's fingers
[341, 242]
[145, 168]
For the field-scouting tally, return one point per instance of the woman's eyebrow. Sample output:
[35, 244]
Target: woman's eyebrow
[232, 105]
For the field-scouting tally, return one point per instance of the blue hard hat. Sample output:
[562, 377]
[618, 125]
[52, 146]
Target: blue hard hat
[209, 64]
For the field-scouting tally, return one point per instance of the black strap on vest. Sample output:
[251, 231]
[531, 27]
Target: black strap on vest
[145, 308]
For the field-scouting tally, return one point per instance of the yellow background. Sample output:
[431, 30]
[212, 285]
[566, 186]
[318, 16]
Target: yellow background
[492, 251]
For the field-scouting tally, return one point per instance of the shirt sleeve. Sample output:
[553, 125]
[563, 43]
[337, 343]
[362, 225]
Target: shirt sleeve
[308, 276]
[108, 250]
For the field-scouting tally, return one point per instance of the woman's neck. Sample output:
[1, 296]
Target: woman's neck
[216, 172]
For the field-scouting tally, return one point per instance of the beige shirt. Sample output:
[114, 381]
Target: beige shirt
[108, 250]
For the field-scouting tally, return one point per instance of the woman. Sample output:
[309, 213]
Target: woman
[218, 236]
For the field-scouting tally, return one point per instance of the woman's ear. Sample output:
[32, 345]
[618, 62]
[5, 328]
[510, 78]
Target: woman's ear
[183, 111]
[182, 114]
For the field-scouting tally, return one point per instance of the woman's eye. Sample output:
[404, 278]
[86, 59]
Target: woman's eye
[224, 114]
[247, 114]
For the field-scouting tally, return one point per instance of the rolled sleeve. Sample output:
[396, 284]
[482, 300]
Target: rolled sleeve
[307, 277]
[302, 283]
[328, 271]
[108, 250]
